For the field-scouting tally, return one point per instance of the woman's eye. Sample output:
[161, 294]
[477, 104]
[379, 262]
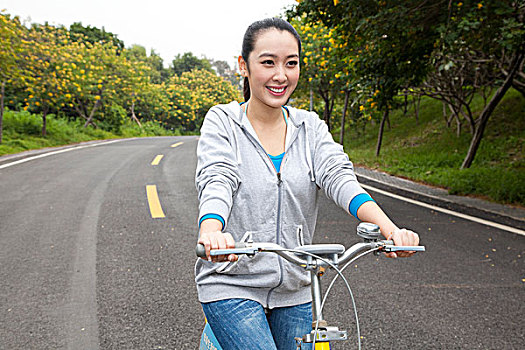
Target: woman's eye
[293, 63]
[267, 62]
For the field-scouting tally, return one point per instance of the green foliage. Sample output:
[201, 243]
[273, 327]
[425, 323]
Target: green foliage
[86, 73]
[95, 35]
[188, 62]
[193, 93]
[431, 153]
[22, 131]
[390, 41]
[114, 117]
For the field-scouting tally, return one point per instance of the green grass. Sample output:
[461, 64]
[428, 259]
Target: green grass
[431, 153]
[23, 131]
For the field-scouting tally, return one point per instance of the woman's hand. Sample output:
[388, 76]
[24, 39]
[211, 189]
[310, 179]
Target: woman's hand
[217, 240]
[403, 237]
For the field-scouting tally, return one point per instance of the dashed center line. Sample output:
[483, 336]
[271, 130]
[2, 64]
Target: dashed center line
[157, 159]
[177, 144]
[154, 203]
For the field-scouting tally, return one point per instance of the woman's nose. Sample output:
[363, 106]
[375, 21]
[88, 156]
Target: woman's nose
[280, 73]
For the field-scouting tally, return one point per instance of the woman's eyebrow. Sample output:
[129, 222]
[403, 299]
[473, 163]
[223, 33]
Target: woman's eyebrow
[267, 54]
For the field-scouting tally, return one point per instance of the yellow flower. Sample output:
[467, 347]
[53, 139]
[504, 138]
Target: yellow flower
[460, 4]
[480, 5]
[97, 97]
[361, 108]
[335, 2]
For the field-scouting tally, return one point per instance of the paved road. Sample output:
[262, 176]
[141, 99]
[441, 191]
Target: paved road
[84, 266]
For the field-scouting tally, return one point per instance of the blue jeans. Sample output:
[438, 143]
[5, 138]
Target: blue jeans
[242, 324]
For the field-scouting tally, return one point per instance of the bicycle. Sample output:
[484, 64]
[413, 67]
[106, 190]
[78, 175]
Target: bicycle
[316, 259]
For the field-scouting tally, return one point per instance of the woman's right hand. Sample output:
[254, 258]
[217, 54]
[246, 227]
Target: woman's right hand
[217, 240]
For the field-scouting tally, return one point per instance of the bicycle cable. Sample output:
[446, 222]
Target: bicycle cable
[339, 273]
[350, 291]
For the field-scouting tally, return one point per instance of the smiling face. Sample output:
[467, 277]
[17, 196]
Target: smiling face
[272, 68]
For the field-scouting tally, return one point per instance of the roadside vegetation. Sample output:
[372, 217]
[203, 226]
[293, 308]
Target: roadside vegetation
[429, 152]
[23, 131]
[433, 91]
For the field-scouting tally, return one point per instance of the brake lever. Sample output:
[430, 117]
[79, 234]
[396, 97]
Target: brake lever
[247, 251]
[397, 248]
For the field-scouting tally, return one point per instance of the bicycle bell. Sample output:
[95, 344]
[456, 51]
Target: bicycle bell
[368, 231]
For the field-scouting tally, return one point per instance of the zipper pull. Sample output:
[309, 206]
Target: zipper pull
[279, 180]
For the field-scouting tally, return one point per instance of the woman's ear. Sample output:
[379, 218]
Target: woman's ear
[243, 66]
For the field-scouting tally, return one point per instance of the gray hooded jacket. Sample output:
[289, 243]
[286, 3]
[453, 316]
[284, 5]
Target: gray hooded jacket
[237, 180]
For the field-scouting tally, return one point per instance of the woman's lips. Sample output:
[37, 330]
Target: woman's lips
[277, 91]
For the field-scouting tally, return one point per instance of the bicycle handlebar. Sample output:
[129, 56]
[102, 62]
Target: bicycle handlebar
[335, 252]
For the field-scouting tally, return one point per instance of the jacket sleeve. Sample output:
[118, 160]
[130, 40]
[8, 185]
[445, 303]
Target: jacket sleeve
[217, 177]
[334, 172]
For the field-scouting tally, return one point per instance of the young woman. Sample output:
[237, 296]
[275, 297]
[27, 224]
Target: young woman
[260, 168]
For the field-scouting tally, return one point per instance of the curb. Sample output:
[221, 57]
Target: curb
[464, 208]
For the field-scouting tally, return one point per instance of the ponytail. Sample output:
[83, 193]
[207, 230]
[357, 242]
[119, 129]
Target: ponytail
[246, 89]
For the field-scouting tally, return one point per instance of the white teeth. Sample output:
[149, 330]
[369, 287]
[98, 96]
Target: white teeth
[276, 90]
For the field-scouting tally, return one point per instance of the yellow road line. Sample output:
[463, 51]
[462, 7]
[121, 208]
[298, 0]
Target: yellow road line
[157, 159]
[154, 204]
[177, 144]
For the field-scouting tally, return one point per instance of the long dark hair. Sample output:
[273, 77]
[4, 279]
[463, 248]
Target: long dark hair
[250, 37]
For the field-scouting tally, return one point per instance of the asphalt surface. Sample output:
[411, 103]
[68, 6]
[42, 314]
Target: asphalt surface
[84, 266]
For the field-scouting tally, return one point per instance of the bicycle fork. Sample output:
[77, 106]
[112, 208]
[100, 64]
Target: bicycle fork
[321, 332]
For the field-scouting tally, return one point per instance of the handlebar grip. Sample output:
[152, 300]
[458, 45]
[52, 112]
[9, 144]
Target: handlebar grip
[201, 251]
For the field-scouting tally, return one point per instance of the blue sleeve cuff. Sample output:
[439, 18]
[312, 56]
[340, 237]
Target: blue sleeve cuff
[212, 216]
[357, 201]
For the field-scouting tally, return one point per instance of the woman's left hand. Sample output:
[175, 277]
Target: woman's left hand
[403, 237]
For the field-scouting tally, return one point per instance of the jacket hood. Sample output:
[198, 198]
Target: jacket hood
[234, 111]
[296, 118]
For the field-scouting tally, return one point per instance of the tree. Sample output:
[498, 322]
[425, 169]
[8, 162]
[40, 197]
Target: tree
[320, 67]
[395, 39]
[10, 52]
[157, 72]
[188, 62]
[480, 49]
[192, 94]
[95, 35]
[224, 70]
[43, 53]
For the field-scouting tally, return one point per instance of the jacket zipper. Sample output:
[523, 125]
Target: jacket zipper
[279, 200]
[278, 233]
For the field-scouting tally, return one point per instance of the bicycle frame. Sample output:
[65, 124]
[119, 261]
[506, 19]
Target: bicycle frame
[316, 259]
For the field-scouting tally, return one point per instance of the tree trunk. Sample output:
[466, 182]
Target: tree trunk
[405, 106]
[380, 133]
[345, 108]
[2, 92]
[454, 114]
[489, 108]
[445, 114]
[133, 116]
[44, 121]
[416, 107]
[92, 114]
[311, 99]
